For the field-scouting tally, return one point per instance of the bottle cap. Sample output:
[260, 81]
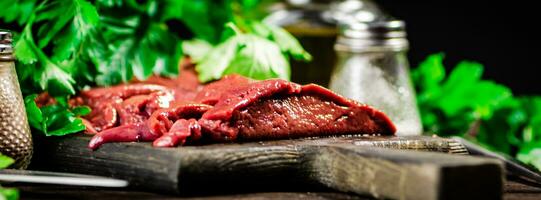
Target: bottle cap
[374, 30]
[347, 11]
[6, 39]
[358, 36]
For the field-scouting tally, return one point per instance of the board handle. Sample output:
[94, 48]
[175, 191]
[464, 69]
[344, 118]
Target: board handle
[402, 174]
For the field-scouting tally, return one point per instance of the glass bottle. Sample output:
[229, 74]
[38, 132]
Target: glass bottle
[15, 136]
[372, 68]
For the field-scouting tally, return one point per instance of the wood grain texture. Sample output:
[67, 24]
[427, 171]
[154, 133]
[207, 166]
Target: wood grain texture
[348, 164]
[383, 173]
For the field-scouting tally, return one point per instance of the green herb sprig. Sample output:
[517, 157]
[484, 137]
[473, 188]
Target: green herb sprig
[464, 104]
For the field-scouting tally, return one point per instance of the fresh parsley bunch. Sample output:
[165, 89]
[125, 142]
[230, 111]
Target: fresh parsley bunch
[464, 104]
[63, 46]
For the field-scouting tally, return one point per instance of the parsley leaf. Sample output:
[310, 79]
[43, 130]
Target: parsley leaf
[450, 104]
[464, 103]
[531, 154]
[66, 24]
[9, 193]
[246, 54]
[138, 44]
[5, 161]
[260, 53]
[55, 120]
[287, 43]
[17, 12]
[197, 49]
[206, 18]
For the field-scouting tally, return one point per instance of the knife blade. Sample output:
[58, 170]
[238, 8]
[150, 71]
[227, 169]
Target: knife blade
[43, 177]
[513, 167]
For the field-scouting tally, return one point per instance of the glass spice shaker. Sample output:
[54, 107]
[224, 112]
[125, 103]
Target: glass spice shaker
[15, 136]
[372, 68]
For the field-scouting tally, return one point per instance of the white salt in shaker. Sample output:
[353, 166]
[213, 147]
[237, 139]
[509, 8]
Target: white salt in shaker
[372, 68]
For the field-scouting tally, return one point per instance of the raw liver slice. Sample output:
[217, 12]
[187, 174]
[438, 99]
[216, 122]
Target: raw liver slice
[278, 109]
[306, 116]
[234, 108]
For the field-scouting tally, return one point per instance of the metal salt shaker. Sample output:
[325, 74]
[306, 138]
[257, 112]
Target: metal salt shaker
[15, 135]
[372, 68]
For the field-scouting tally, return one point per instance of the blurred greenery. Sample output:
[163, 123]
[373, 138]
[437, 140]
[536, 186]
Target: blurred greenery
[463, 104]
[7, 193]
[5, 161]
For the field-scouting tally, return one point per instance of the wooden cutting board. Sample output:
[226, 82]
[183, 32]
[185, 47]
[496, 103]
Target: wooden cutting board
[349, 164]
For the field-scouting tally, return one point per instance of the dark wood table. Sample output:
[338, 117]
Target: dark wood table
[513, 190]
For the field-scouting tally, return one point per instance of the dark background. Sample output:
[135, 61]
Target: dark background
[504, 36]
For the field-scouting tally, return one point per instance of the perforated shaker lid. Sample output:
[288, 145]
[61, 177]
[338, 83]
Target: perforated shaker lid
[358, 36]
[6, 39]
[374, 30]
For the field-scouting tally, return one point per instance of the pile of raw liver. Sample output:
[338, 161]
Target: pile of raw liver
[173, 112]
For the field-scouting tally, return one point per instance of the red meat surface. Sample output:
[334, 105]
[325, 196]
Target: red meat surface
[172, 112]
